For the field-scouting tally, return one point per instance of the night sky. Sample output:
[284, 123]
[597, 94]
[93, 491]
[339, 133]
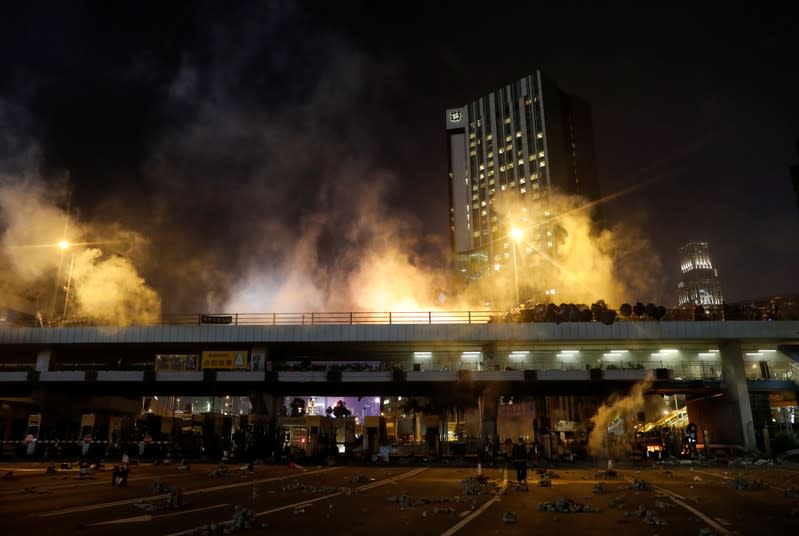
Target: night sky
[223, 131]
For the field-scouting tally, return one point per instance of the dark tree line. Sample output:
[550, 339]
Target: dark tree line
[596, 312]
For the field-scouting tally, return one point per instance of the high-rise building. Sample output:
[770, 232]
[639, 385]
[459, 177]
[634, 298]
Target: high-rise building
[509, 152]
[699, 282]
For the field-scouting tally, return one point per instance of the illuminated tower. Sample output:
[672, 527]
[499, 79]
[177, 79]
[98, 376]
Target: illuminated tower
[699, 282]
[516, 145]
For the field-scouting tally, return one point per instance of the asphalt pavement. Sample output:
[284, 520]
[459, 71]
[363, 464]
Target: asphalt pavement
[385, 500]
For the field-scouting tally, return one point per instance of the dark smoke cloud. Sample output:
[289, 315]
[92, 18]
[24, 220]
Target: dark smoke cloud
[267, 196]
[263, 184]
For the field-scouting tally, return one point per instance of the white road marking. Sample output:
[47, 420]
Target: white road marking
[308, 502]
[165, 495]
[150, 517]
[473, 515]
[680, 500]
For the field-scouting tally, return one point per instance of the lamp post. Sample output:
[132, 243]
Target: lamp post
[516, 235]
[64, 245]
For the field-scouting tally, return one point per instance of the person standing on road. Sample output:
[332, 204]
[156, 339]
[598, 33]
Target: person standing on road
[519, 457]
[119, 475]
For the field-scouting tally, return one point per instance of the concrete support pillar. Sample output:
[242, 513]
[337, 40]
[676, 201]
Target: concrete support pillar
[489, 410]
[43, 360]
[265, 409]
[732, 366]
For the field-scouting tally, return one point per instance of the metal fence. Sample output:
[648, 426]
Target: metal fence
[323, 318]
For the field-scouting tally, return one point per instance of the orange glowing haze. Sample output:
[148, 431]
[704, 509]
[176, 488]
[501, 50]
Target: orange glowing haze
[375, 271]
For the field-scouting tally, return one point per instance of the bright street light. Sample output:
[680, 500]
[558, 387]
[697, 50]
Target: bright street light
[64, 244]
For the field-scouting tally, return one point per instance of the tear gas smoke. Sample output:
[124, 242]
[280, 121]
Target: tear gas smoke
[613, 432]
[105, 287]
[562, 248]
[261, 200]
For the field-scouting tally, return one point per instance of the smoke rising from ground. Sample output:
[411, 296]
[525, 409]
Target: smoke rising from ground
[584, 263]
[83, 281]
[613, 430]
[261, 190]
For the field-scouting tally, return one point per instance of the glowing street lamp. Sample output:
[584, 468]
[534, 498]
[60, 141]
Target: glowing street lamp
[516, 235]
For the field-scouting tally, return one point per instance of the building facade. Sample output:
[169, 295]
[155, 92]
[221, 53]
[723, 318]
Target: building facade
[699, 282]
[509, 152]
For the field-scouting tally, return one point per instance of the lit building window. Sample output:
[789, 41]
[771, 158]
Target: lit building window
[523, 190]
[489, 137]
[541, 154]
[542, 163]
[508, 138]
[533, 157]
[521, 161]
[507, 120]
[518, 133]
[539, 135]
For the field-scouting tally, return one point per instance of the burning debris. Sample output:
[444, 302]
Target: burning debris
[437, 510]
[402, 500]
[220, 472]
[475, 485]
[242, 518]
[510, 517]
[565, 506]
[173, 502]
[741, 483]
[610, 474]
[157, 487]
